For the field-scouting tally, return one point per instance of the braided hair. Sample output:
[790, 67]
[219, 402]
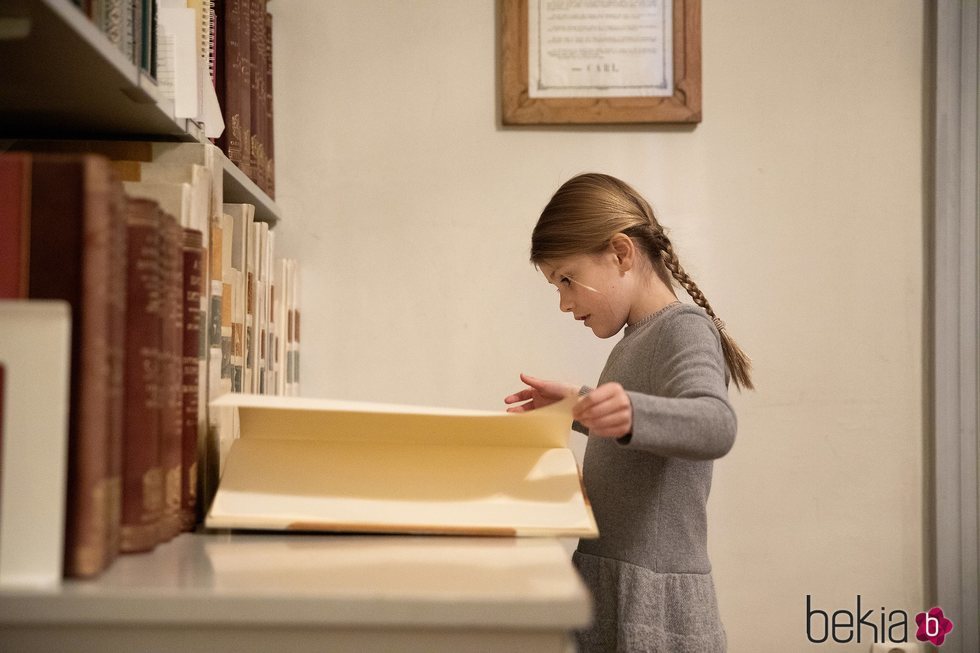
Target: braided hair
[588, 210]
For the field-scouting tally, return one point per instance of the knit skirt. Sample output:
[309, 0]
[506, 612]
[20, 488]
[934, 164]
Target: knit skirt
[641, 610]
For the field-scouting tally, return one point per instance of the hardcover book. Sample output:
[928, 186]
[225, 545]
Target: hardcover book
[15, 224]
[323, 465]
[76, 225]
[143, 493]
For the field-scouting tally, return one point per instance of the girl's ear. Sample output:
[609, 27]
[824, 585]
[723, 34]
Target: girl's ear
[625, 251]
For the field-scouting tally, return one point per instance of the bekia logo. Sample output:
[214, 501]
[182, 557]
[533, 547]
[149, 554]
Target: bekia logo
[879, 627]
[933, 626]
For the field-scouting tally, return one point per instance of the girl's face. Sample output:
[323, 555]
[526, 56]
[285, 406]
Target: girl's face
[593, 288]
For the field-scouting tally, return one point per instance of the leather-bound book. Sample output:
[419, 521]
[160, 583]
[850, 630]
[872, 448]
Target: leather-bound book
[269, 140]
[15, 223]
[171, 364]
[74, 225]
[193, 261]
[117, 352]
[142, 504]
[245, 81]
[257, 85]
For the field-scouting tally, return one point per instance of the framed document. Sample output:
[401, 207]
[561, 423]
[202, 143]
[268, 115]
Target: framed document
[601, 61]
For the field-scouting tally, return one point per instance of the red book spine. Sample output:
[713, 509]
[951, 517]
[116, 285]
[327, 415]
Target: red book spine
[117, 352]
[71, 259]
[142, 504]
[193, 255]
[245, 82]
[171, 356]
[15, 224]
[229, 87]
[269, 140]
[257, 86]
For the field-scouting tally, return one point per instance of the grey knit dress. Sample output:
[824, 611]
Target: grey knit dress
[649, 572]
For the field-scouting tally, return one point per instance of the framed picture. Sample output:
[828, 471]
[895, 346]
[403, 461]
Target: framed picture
[590, 62]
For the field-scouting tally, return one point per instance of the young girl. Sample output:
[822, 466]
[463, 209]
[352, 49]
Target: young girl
[657, 419]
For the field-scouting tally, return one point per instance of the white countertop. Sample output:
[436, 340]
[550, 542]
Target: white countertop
[344, 580]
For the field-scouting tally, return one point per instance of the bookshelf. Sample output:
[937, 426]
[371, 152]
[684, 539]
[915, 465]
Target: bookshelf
[62, 78]
[311, 593]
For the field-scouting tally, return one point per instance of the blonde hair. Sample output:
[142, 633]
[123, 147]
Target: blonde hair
[588, 210]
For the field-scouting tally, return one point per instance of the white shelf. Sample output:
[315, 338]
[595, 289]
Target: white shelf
[313, 586]
[239, 189]
[60, 76]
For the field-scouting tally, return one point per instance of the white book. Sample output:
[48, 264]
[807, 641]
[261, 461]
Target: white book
[174, 199]
[35, 361]
[294, 333]
[199, 178]
[324, 465]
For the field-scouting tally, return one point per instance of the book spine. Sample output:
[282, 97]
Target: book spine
[212, 43]
[227, 304]
[15, 224]
[257, 86]
[230, 65]
[136, 33]
[71, 259]
[117, 352]
[142, 504]
[171, 349]
[270, 177]
[294, 329]
[193, 262]
[245, 83]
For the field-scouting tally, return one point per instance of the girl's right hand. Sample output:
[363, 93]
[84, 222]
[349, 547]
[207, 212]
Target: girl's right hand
[541, 393]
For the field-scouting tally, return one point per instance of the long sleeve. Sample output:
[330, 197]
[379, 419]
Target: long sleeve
[689, 416]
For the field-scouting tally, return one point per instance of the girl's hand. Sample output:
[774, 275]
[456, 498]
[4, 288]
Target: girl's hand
[540, 394]
[606, 411]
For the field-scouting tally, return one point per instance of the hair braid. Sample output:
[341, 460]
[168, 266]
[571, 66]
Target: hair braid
[738, 362]
[589, 210]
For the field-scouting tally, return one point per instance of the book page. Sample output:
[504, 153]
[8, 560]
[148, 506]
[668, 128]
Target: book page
[404, 488]
[316, 464]
[273, 417]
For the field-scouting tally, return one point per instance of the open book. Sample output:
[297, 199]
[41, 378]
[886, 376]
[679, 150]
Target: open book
[325, 465]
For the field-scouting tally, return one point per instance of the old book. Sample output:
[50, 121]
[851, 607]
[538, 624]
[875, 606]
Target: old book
[257, 100]
[143, 494]
[227, 303]
[322, 465]
[245, 83]
[242, 216]
[174, 198]
[117, 352]
[171, 357]
[295, 331]
[269, 140]
[198, 176]
[232, 73]
[292, 331]
[15, 223]
[74, 223]
[193, 263]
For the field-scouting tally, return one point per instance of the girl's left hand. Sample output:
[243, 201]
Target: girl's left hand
[606, 411]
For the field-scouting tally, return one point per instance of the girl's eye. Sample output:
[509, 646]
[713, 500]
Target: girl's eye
[565, 281]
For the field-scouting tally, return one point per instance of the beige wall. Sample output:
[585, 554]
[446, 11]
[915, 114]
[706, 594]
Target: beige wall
[797, 205]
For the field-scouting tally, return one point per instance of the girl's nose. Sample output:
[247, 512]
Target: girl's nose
[564, 304]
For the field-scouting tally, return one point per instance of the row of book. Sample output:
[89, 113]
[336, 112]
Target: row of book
[176, 298]
[231, 61]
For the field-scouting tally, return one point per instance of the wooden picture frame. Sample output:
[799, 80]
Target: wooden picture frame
[684, 106]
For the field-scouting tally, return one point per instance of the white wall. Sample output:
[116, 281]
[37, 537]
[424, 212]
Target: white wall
[797, 206]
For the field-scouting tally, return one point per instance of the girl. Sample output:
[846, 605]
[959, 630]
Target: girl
[658, 417]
